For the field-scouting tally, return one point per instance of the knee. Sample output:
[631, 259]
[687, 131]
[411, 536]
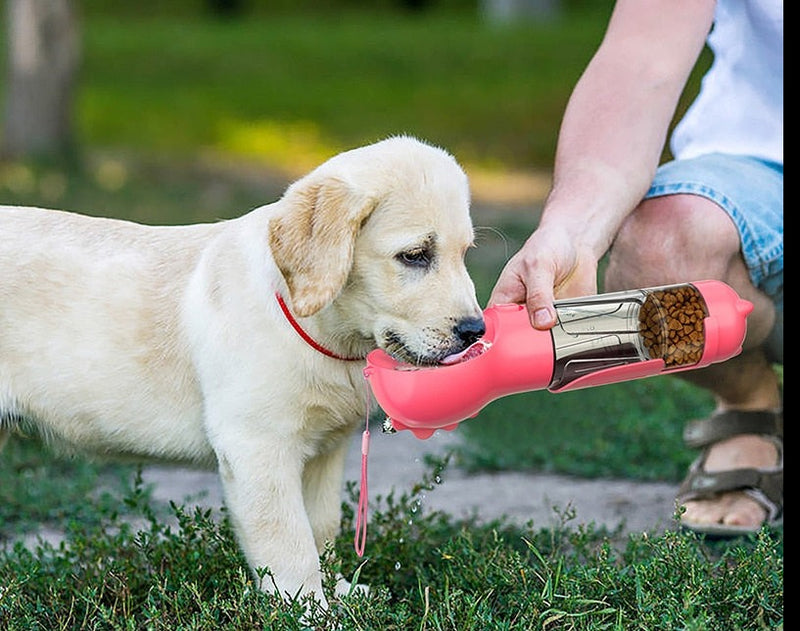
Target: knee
[644, 247]
[670, 239]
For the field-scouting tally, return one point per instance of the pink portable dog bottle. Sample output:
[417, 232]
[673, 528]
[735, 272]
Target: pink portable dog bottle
[597, 340]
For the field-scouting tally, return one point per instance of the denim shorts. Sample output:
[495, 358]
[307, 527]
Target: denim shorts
[750, 190]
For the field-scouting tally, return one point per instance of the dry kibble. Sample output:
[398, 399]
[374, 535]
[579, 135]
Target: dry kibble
[671, 325]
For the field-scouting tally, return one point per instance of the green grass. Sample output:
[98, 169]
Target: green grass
[426, 571]
[629, 430]
[32, 489]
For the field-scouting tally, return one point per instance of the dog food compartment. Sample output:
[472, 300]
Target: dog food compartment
[631, 334]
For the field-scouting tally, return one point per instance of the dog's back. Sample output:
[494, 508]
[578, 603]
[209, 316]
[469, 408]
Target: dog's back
[70, 282]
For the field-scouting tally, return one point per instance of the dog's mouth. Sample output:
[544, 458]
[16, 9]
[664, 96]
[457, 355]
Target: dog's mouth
[393, 344]
[455, 353]
[471, 352]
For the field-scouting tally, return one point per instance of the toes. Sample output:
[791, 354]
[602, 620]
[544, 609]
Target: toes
[730, 509]
[744, 511]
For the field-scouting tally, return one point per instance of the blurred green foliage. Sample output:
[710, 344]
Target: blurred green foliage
[243, 8]
[288, 88]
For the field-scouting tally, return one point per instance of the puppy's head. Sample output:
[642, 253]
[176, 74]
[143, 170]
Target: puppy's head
[378, 235]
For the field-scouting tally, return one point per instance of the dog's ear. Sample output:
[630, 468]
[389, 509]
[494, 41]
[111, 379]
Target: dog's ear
[313, 239]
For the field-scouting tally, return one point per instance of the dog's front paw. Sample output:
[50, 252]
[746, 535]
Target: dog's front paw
[346, 588]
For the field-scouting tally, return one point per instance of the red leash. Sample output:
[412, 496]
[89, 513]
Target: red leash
[360, 541]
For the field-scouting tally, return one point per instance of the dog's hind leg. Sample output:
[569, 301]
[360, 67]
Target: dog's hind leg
[322, 488]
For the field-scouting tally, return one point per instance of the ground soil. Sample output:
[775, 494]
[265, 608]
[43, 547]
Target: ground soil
[397, 462]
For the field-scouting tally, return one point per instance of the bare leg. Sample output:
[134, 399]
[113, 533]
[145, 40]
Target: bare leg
[682, 238]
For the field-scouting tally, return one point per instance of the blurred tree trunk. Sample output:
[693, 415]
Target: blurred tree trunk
[43, 56]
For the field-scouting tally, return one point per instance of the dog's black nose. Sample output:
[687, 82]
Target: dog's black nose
[470, 330]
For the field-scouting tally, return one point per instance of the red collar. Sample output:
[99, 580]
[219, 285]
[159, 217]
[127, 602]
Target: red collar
[309, 340]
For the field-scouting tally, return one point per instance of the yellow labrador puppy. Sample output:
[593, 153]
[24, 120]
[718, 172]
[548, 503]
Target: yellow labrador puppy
[239, 344]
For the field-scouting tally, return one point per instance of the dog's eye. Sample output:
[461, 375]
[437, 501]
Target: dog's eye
[418, 257]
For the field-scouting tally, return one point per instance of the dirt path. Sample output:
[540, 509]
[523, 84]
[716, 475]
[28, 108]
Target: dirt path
[397, 462]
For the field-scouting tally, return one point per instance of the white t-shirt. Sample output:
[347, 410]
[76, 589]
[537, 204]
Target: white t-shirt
[739, 109]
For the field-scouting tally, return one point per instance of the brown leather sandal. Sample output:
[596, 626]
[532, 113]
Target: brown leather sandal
[765, 485]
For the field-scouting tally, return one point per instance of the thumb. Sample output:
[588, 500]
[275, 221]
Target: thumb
[536, 294]
[541, 309]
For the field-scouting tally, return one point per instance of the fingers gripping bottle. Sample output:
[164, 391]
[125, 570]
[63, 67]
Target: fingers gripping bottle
[598, 340]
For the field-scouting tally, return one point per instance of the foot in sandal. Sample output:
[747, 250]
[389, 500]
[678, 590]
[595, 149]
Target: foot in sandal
[736, 484]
